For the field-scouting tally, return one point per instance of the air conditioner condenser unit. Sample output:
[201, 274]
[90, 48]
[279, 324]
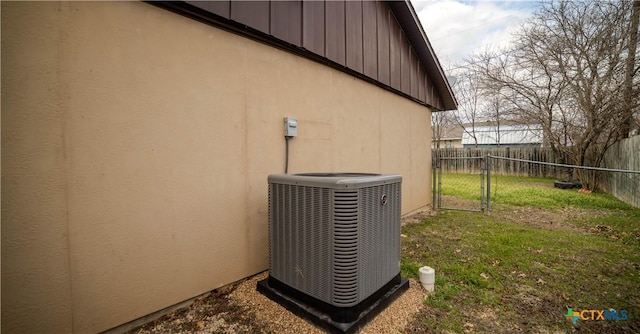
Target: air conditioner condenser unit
[334, 246]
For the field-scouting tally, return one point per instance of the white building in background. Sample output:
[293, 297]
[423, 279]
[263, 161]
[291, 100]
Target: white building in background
[447, 137]
[507, 135]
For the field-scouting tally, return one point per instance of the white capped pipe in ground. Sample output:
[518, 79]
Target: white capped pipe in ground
[427, 278]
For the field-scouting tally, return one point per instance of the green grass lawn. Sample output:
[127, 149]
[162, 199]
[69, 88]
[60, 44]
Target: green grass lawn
[540, 251]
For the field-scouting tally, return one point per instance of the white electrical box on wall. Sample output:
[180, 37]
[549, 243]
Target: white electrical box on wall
[290, 127]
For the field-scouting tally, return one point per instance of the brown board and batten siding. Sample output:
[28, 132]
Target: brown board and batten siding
[370, 39]
[374, 40]
[384, 60]
[313, 27]
[354, 31]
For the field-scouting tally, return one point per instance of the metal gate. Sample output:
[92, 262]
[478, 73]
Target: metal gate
[480, 204]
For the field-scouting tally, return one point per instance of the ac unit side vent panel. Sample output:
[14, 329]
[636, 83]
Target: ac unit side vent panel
[379, 242]
[298, 232]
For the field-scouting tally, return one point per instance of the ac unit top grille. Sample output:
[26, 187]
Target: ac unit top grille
[335, 180]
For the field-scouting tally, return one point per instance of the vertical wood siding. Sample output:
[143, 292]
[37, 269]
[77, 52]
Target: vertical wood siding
[335, 31]
[313, 26]
[384, 40]
[405, 65]
[286, 21]
[414, 74]
[355, 56]
[370, 39]
[254, 14]
[222, 8]
[363, 36]
[395, 53]
[421, 81]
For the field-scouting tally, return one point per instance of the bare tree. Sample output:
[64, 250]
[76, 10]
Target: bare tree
[631, 72]
[440, 121]
[470, 102]
[497, 113]
[566, 72]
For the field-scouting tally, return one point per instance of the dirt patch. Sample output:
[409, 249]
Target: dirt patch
[538, 303]
[418, 217]
[212, 314]
[484, 320]
[560, 219]
[452, 202]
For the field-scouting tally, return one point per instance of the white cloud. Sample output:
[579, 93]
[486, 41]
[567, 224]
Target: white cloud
[458, 28]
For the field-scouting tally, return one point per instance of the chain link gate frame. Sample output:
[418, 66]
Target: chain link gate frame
[484, 178]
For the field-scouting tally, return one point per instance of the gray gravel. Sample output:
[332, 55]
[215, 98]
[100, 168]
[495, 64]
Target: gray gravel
[277, 319]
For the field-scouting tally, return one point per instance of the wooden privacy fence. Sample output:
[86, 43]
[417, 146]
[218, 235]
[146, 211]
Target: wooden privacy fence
[625, 186]
[456, 161]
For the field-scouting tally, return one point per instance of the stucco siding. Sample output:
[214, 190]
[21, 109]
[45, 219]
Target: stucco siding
[136, 145]
[35, 268]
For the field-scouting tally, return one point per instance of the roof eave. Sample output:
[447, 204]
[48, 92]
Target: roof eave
[408, 19]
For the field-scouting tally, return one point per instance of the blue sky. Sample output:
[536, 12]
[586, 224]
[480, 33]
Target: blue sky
[457, 28]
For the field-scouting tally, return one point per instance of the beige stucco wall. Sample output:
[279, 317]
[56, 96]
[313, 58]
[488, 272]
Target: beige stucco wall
[136, 144]
[36, 294]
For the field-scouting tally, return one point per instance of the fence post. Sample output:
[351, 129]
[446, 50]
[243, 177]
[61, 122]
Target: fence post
[439, 176]
[482, 183]
[488, 162]
[434, 178]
